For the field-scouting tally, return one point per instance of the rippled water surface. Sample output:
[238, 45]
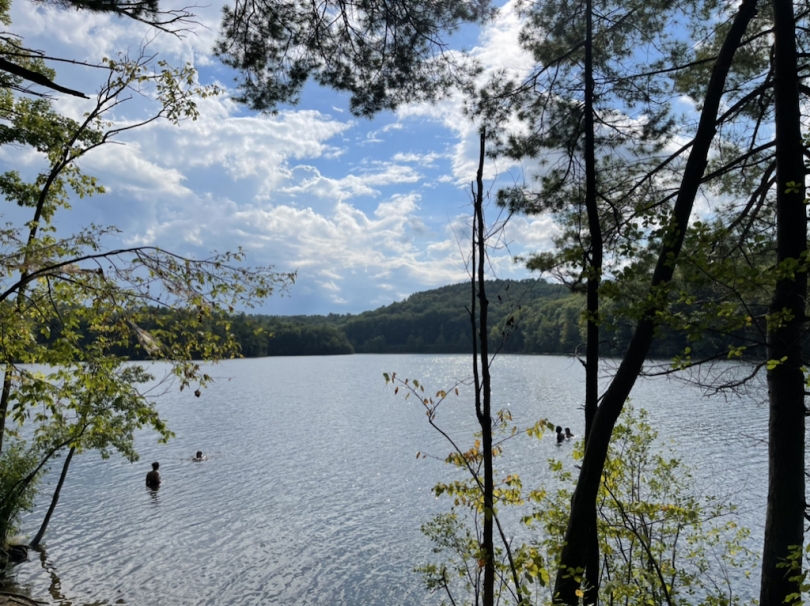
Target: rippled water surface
[312, 493]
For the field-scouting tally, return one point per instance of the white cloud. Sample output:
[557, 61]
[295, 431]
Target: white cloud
[307, 181]
[338, 249]
[530, 233]
[125, 168]
[294, 189]
[426, 160]
[498, 52]
[252, 146]
[325, 273]
[497, 48]
[330, 285]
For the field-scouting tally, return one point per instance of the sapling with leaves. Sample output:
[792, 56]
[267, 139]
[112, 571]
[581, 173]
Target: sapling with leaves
[100, 410]
[458, 535]
[488, 568]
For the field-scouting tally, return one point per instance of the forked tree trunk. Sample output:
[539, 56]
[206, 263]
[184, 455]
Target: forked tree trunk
[784, 522]
[581, 521]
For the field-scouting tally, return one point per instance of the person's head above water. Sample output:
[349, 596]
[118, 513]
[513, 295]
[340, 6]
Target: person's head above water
[199, 454]
[559, 429]
[155, 465]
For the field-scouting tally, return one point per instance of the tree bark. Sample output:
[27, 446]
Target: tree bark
[4, 399]
[784, 523]
[581, 520]
[54, 500]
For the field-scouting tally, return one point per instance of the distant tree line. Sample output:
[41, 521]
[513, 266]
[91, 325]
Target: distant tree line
[528, 317]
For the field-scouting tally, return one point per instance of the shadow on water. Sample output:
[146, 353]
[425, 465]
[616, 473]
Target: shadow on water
[57, 596]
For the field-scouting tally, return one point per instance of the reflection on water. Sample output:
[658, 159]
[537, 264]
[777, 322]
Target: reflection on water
[55, 586]
[154, 493]
[312, 493]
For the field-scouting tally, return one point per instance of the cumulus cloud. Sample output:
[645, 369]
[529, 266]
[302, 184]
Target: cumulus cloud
[339, 251]
[428, 159]
[307, 180]
[126, 168]
[367, 212]
[245, 147]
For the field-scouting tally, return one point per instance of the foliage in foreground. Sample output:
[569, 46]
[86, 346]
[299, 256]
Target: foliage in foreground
[662, 542]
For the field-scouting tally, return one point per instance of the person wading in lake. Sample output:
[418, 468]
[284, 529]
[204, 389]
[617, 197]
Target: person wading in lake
[560, 435]
[153, 477]
[199, 457]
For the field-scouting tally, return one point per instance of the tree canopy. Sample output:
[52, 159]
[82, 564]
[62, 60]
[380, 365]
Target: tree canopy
[381, 53]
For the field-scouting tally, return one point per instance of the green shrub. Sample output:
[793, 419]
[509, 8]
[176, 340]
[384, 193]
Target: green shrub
[17, 488]
[660, 542]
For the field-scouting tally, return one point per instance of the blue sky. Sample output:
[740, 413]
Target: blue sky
[366, 211]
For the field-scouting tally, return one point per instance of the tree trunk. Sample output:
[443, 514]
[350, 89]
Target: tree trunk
[482, 385]
[38, 539]
[593, 267]
[4, 397]
[786, 480]
[580, 523]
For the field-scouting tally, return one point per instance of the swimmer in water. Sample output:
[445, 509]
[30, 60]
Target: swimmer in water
[199, 457]
[153, 477]
[560, 435]
[568, 434]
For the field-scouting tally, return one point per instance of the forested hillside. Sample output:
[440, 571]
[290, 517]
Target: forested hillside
[434, 321]
[438, 320]
[528, 316]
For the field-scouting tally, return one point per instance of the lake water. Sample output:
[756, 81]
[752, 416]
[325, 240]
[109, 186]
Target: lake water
[313, 495]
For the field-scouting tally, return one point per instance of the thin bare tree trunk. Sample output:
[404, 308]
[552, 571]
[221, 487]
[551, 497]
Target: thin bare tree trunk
[482, 383]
